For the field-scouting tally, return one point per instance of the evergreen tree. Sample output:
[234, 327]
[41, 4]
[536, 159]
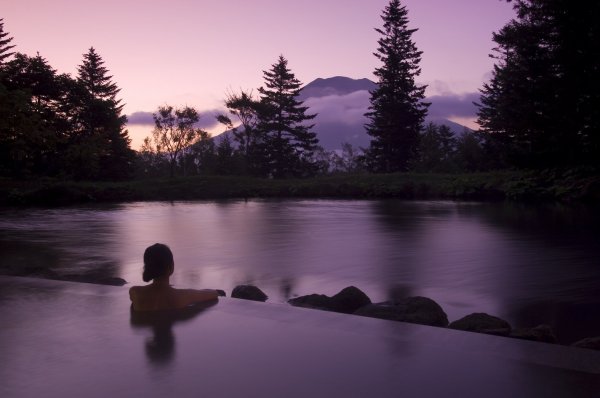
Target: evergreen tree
[397, 109]
[102, 124]
[469, 155]
[20, 128]
[94, 76]
[5, 45]
[286, 137]
[35, 149]
[542, 106]
[437, 147]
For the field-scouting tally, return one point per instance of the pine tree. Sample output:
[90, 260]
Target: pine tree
[101, 121]
[542, 106]
[5, 45]
[286, 137]
[94, 76]
[397, 108]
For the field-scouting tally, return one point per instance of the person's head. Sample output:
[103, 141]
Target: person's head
[158, 261]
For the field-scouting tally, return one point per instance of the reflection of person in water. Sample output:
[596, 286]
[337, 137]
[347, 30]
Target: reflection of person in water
[160, 295]
[160, 347]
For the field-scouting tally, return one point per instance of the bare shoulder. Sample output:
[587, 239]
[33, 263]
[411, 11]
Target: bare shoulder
[136, 291]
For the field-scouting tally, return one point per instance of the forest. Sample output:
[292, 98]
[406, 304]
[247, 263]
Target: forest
[540, 111]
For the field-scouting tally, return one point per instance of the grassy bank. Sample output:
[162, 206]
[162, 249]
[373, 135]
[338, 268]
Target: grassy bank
[512, 185]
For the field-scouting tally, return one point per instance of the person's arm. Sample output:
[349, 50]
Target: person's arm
[192, 296]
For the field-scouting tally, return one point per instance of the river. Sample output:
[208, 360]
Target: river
[526, 264]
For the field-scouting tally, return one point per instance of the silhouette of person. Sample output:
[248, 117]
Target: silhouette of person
[160, 295]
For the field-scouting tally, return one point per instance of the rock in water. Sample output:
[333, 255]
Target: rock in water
[249, 292]
[482, 323]
[346, 301]
[316, 301]
[541, 333]
[592, 343]
[114, 281]
[421, 310]
[90, 278]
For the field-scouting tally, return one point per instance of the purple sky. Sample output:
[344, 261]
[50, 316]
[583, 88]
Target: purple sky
[191, 52]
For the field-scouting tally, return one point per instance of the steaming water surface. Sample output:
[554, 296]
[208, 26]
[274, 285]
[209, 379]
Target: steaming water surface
[529, 265]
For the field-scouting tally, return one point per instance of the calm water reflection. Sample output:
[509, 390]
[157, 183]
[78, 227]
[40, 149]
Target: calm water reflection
[529, 265]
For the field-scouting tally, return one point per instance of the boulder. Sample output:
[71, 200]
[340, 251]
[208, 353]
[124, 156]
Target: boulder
[592, 343]
[421, 310]
[346, 301]
[113, 281]
[482, 323]
[316, 301]
[541, 333]
[249, 292]
[95, 279]
[221, 293]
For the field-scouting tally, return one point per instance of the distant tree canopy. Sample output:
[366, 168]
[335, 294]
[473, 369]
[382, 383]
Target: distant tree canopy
[54, 125]
[246, 109]
[442, 151]
[174, 132]
[397, 108]
[541, 108]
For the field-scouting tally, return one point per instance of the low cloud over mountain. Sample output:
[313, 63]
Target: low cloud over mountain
[207, 119]
[453, 105]
[346, 109]
[341, 103]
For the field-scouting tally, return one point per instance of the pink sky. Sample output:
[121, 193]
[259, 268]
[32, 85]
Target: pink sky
[191, 52]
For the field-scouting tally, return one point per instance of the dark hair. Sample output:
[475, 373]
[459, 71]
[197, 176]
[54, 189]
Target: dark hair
[158, 260]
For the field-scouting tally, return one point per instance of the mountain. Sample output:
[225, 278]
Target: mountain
[340, 104]
[338, 85]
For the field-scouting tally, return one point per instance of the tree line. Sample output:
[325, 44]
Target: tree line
[539, 110]
[53, 124]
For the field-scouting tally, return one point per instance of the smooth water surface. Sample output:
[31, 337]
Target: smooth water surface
[61, 339]
[529, 265]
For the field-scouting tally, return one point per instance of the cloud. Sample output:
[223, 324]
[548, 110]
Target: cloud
[348, 109]
[453, 105]
[140, 118]
[207, 118]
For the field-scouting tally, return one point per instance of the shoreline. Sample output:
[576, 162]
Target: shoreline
[353, 302]
[518, 186]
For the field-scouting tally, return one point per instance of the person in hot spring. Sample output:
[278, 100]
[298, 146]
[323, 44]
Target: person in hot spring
[160, 295]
